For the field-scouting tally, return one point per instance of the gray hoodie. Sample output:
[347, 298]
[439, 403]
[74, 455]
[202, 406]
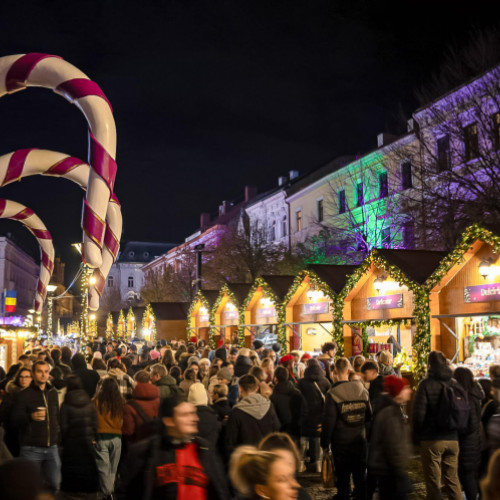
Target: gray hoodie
[254, 405]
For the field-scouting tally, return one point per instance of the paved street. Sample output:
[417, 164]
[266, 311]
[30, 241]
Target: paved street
[313, 486]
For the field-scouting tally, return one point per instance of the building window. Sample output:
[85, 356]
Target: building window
[319, 210]
[360, 196]
[131, 282]
[408, 235]
[471, 143]
[443, 153]
[284, 227]
[341, 201]
[496, 131]
[298, 220]
[385, 237]
[406, 176]
[272, 231]
[383, 185]
[111, 281]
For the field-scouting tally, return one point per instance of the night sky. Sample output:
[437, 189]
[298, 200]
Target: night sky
[211, 95]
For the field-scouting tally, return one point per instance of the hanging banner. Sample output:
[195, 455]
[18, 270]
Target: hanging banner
[204, 318]
[230, 315]
[315, 308]
[482, 293]
[385, 302]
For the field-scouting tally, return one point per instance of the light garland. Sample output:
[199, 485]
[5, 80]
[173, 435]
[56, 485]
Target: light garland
[130, 324]
[109, 327]
[149, 323]
[259, 282]
[121, 331]
[223, 291]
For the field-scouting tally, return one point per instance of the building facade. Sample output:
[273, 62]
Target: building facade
[19, 272]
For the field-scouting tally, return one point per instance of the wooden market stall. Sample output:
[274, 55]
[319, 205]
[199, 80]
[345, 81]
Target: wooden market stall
[379, 301]
[198, 317]
[226, 312]
[309, 305]
[465, 301]
[262, 311]
[12, 341]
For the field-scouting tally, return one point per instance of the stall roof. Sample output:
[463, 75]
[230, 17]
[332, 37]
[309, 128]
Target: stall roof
[240, 290]
[279, 284]
[418, 265]
[211, 296]
[334, 276]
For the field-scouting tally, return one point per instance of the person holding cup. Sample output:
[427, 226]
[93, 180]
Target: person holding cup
[36, 415]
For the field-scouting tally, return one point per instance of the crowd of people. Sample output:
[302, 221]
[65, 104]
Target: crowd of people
[181, 420]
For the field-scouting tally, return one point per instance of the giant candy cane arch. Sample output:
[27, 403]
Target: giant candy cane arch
[43, 70]
[15, 211]
[26, 162]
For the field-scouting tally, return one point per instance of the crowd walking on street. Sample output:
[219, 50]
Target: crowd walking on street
[179, 420]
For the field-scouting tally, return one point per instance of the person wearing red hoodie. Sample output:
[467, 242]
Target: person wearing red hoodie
[140, 411]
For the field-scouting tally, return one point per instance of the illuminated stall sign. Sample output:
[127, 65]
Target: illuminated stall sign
[482, 293]
[204, 318]
[266, 312]
[230, 315]
[315, 308]
[385, 302]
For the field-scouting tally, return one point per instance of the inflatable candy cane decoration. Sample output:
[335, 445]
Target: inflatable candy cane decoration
[43, 70]
[16, 211]
[25, 162]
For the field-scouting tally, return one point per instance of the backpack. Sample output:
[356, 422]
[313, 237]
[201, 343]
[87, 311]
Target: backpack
[149, 425]
[453, 411]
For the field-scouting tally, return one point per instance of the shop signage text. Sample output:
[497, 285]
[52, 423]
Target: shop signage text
[385, 302]
[482, 293]
[231, 315]
[204, 318]
[315, 308]
[266, 312]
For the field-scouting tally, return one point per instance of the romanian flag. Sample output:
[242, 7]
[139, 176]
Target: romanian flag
[10, 300]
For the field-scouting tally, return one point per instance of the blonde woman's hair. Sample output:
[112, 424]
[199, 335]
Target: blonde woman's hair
[250, 467]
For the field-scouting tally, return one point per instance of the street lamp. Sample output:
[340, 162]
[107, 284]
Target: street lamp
[50, 289]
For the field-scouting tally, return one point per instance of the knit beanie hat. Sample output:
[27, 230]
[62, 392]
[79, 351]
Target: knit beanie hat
[221, 353]
[276, 347]
[306, 355]
[285, 359]
[193, 339]
[394, 385]
[386, 358]
[198, 394]
[224, 374]
[154, 354]
[257, 344]
[220, 343]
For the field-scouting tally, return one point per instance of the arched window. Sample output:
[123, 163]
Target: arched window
[131, 282]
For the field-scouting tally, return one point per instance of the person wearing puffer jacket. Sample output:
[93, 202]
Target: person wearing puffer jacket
[314, 387]
[165, 383]
[390, 450]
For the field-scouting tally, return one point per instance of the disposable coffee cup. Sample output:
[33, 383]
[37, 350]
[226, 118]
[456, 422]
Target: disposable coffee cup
[42, 408]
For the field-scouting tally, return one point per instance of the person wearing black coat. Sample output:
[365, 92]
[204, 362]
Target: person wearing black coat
[243, 364]
[469, 457]
[288, 402]
[313, 387]
[89, 378]
[78, 420]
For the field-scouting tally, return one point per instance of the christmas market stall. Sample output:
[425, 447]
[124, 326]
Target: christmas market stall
[384, 305]
[12, 343]
[308, 305]
[465, 301]
[198, 316]
[261, 315]
[225, 316]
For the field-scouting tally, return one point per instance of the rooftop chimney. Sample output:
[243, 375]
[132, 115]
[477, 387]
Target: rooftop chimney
[250, 193]
[410, 125]
[384, 138]
[293, 174]
[282, 180]
[223, 208]
[204, 220]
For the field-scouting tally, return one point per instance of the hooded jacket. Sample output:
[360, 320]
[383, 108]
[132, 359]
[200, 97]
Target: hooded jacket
[426, 425]
[249, 421]
[315, 402]
[167, 386]
[347, 410]
[89, 378]
[147, 396]
[37, 433]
